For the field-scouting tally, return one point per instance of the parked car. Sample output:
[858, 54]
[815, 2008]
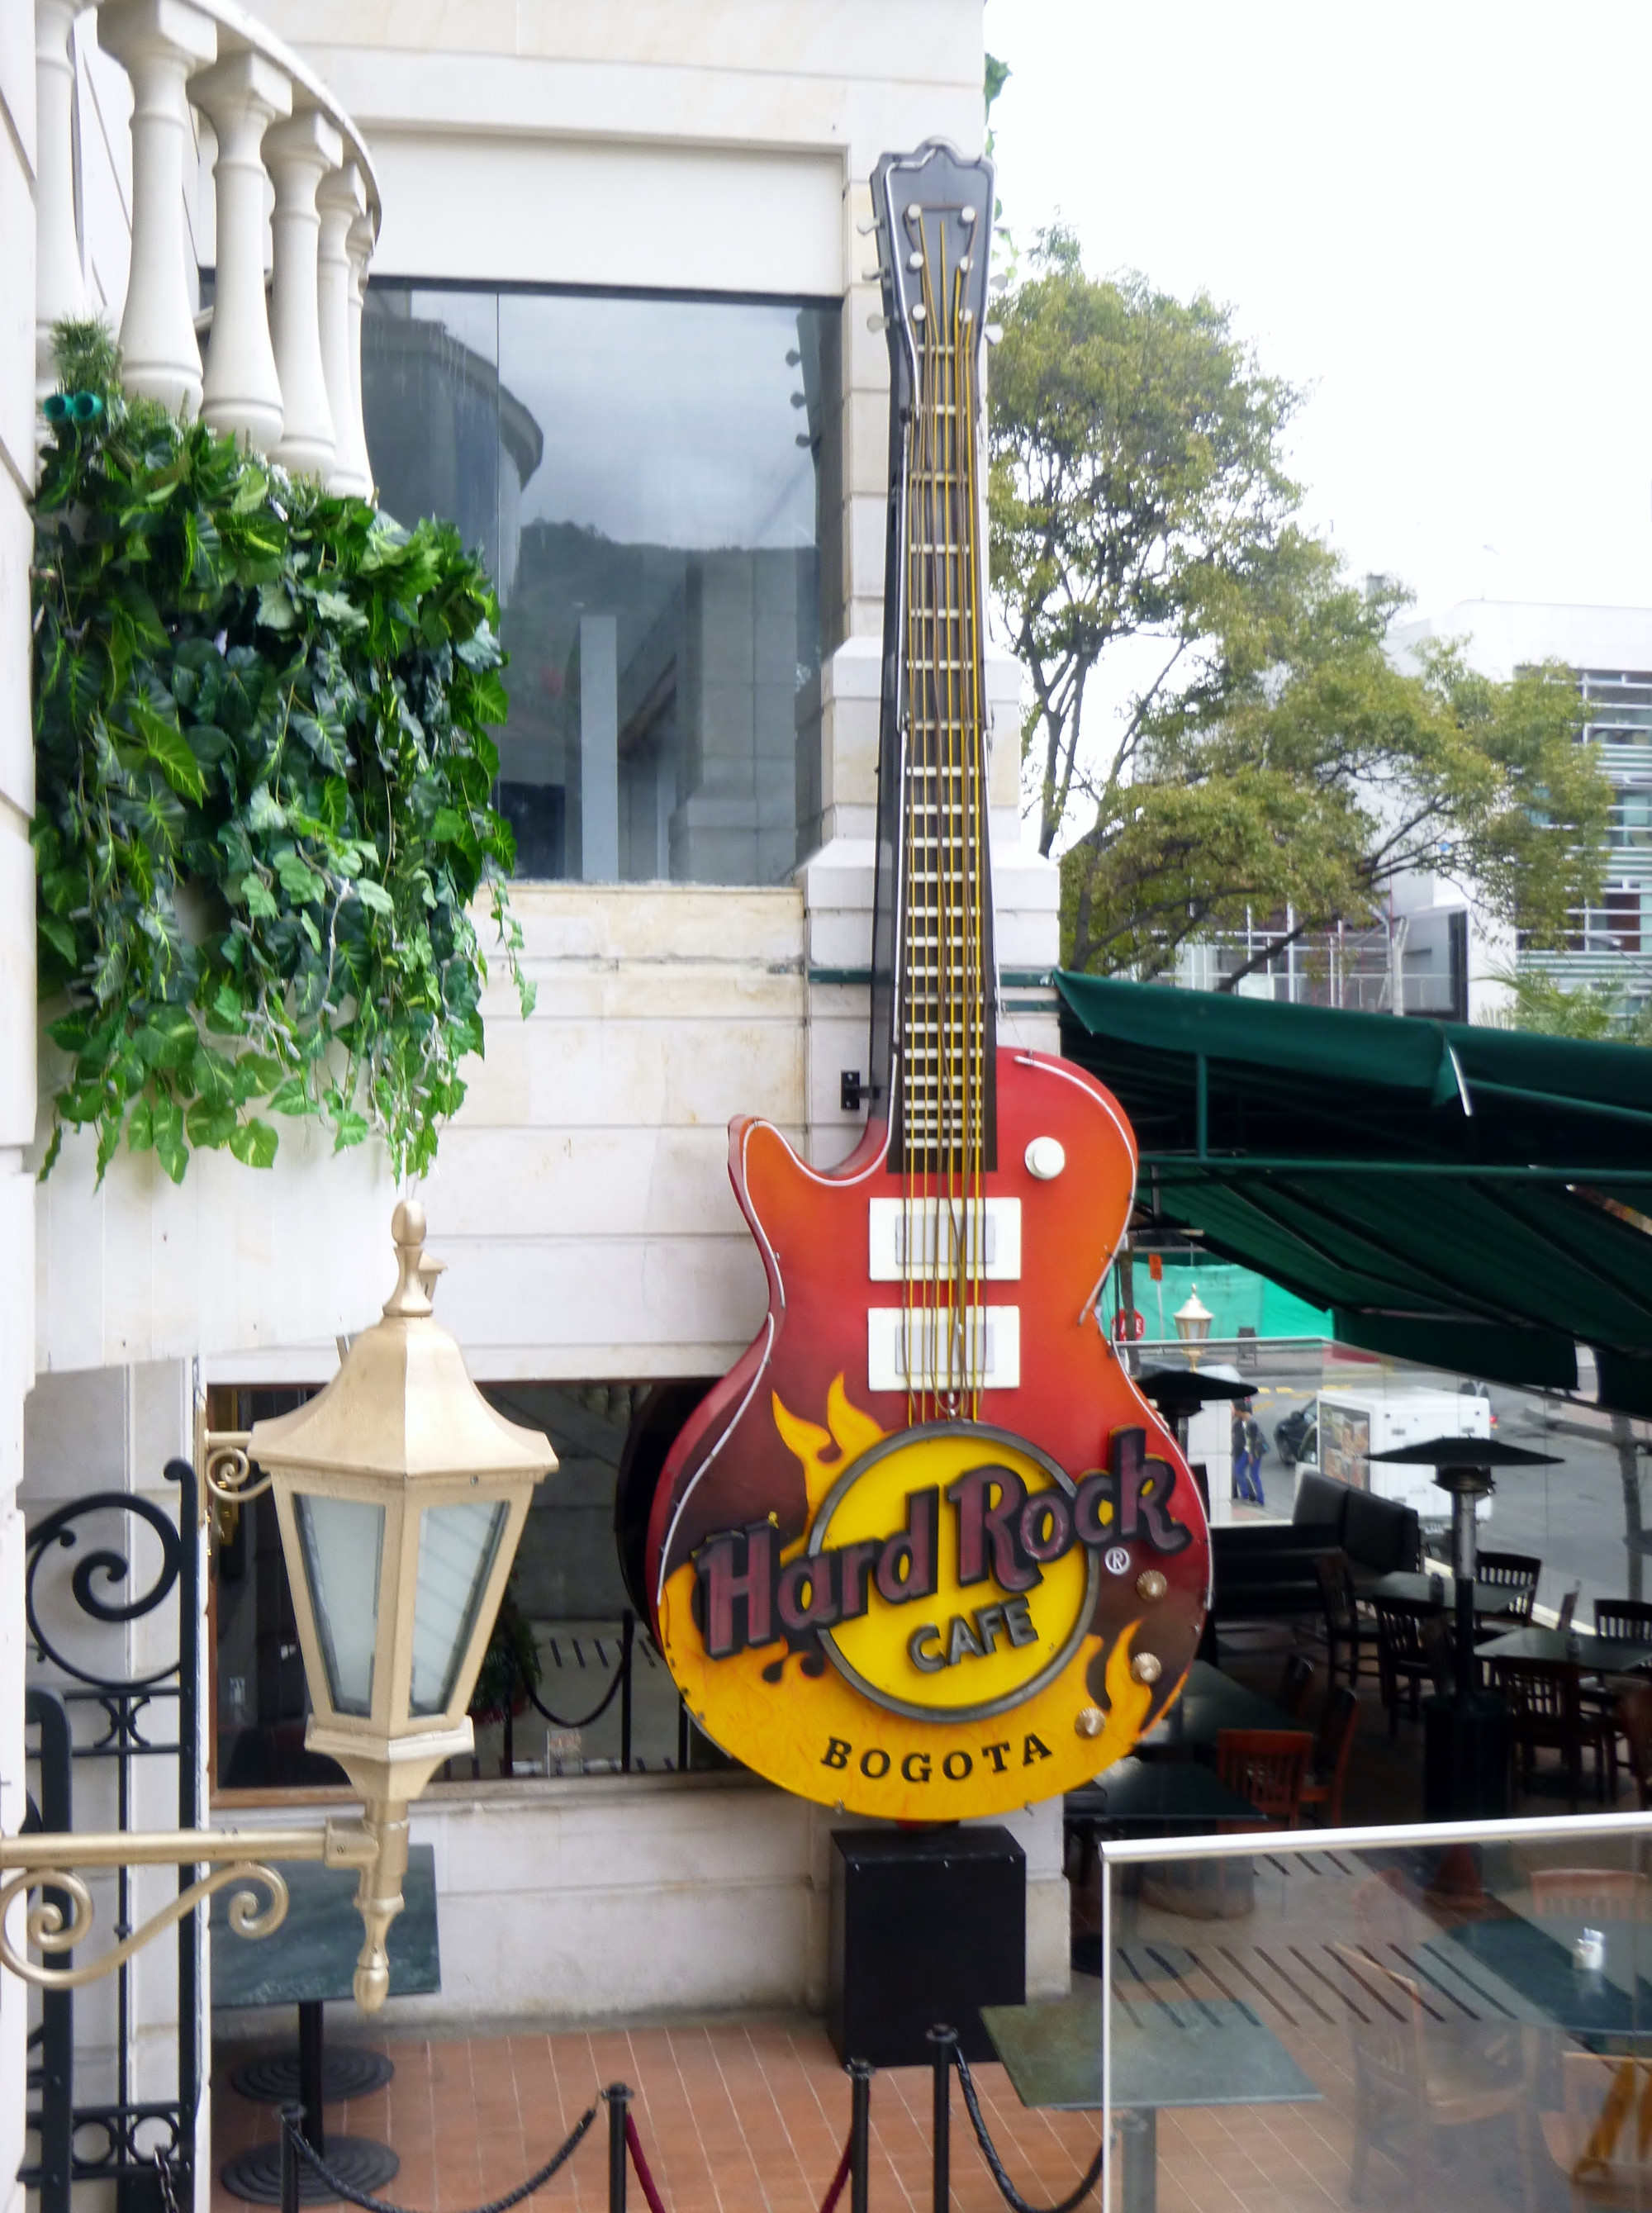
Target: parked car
[1295, 1438]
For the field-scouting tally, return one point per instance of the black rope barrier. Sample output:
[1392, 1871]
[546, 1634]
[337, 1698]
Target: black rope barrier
[1011, 2196]
[294, 2147]
[596, 1712]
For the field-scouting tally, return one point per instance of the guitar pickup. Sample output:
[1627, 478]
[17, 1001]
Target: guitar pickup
[938, 1352]
[923, 1237]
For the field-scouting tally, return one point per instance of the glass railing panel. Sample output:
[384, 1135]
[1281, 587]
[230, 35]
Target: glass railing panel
[1416, 2023]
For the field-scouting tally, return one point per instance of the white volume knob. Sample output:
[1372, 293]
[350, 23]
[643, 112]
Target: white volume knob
[1046, 1158]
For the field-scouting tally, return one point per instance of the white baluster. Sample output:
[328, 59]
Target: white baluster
[160, 43]
[60, 280]
[342, 200]
[243, 95]
[300, 153]
[360, 245]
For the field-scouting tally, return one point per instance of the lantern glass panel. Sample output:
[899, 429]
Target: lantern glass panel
[342, 1541]
[457, 1545]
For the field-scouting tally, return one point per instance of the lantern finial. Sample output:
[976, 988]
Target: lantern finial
[407, 1227]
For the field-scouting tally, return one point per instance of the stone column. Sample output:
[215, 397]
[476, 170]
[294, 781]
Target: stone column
[360, 243]
[300, 153]
[160, 44]
[59, 282]
[242, 96]
[341, 202]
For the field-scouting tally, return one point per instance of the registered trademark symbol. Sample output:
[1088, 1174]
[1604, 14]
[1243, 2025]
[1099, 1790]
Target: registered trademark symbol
[1117, 1560]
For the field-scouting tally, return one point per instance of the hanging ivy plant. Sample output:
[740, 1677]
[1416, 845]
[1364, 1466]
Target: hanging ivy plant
[263, 773]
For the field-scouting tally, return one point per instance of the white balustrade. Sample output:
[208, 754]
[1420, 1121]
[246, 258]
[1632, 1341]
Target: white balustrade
[241, 97]
[285, 375]
[300, 153]
[159, 43]
[59, 283]
[341, 203]
[359, 245]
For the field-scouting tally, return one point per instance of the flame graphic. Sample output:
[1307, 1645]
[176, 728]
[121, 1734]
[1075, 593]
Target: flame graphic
[1127, 1699]
[848, 1434]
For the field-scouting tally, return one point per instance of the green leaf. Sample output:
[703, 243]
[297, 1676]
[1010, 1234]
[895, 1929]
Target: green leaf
[169, 1147]
[253, 1144]
[298, 880]
[262, 811]
[60, 936]
[276, 611]
[169, 1038]
[140, 1127]
[260, 899]
[291, 1096]
[374, 897]
[210, 1125]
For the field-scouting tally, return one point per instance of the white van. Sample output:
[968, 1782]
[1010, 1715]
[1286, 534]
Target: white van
[1351, 1426]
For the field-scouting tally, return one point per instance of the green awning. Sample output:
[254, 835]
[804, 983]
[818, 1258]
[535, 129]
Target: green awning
[1471, 1199]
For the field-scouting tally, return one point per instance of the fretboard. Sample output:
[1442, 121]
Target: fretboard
[943, 1057]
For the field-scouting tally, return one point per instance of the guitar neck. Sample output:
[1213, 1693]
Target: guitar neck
[935, 227]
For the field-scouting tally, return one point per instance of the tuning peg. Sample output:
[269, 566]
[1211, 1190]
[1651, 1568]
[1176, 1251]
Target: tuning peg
[992, 332]
[867, 228]
[872, 275]
[794, 358]
[877, 322]
[998, 283]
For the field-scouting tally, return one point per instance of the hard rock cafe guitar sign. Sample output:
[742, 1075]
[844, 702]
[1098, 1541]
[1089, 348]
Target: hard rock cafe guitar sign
[926, 1551]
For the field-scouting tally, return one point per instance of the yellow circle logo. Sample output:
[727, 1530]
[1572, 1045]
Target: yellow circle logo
[953, 1567]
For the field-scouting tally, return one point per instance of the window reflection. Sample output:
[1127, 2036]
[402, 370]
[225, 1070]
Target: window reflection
[644, 476]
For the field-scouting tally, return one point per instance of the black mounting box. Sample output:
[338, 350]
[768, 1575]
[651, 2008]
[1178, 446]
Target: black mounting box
[928, 1926]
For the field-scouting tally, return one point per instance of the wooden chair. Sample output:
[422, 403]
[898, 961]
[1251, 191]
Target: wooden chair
[1439, 1638]
[1343, 1629]
[1600, 2142]
[1629, 1619]
[1411, 2082]
[1269, 1767]
[1590, 1894]
[1516, 1572]
[1632, 1719]
[1546, 1713]
[1295, 1680]
[1403, 1661]
[1333, 1748]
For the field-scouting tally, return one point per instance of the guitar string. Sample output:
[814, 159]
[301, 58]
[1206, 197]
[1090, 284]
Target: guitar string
[945, 1080]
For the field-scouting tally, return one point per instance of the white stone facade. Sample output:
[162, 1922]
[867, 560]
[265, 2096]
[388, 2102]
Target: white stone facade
[581, 1199]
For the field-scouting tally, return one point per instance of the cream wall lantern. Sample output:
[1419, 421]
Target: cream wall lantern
[401, 1496]
[1193, 1319]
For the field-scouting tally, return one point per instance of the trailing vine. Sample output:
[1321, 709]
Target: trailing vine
[263, 791]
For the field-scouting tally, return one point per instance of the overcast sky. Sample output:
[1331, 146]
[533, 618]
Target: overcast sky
[1434, 218]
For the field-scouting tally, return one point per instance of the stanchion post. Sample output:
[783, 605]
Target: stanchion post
[618, 2096]
[942, 2043]
[291, 2119]
[859, 2131]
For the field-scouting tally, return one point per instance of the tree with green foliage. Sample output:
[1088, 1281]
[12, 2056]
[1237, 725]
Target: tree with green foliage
[1215, 726]
[263, 791]
[1540, 1002]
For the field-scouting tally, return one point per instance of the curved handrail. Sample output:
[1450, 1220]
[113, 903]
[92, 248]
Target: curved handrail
[246, 28]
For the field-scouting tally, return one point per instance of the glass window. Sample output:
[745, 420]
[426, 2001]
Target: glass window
[456, 1548]
[343, 1547]
[644, 476]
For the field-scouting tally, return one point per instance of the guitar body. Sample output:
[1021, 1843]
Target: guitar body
[803, 1407]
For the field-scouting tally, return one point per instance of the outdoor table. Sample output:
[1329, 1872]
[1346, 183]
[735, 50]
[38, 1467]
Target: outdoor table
[1594, 1656]
[1422, 1594]
[1166, 2052]
[310, 1960]
[1210, 1703]
[1153, 1794]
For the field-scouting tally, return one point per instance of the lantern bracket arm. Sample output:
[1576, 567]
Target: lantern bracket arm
[59, 1924]
[227, 1478]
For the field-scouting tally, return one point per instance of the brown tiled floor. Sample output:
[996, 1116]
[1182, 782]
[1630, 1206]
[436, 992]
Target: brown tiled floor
[746, 2117]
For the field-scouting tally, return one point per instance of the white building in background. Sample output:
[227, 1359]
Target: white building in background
[1610, 650]
[615, 324]
[1435, 951]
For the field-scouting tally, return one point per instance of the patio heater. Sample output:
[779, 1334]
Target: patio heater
[1466, 1773]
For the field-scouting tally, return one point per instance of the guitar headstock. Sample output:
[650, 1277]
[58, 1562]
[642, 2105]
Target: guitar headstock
[933, 211]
